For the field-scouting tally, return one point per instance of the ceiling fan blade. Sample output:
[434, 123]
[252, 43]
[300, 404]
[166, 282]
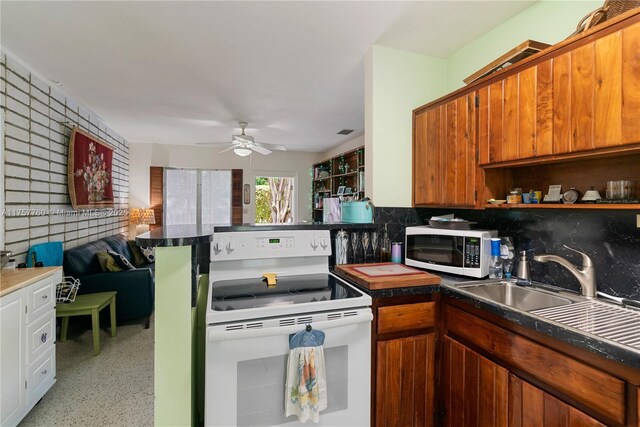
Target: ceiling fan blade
[227, 149]
[259, 149]
[274, 147]
[214, 144]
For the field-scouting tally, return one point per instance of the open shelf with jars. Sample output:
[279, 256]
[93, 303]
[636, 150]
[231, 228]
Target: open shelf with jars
[581, 174]
[339, 175]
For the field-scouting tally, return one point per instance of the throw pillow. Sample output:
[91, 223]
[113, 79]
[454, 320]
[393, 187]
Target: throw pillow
[149, 253]
[107, 263]
[121, 260]
[138, 258]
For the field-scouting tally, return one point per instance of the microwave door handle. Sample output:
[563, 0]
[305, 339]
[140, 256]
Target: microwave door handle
[214, 335]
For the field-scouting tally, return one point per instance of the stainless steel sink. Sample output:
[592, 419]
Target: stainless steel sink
[512, 295]
[602, 319]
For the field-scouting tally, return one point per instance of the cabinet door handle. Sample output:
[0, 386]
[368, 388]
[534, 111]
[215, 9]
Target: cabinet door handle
[43, 337]
[45, 296]
[44, 372]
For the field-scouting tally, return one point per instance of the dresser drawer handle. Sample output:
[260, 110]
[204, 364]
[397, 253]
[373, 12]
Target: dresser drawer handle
[43, 337]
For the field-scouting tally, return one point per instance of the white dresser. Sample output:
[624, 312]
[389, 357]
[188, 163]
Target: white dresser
[27, 338]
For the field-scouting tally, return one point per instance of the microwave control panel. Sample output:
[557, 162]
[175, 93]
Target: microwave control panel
[472, 252]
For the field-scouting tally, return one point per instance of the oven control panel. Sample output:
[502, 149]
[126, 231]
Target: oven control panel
[243, 245]
[274, 243]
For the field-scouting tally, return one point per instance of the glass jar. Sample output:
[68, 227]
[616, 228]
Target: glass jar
[514, 196]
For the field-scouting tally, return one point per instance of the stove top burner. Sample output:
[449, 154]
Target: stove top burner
[253, 293]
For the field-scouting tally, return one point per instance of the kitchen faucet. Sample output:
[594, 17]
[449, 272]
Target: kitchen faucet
[586, 276]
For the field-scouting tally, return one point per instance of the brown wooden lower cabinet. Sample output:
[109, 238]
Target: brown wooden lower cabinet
[587, 384]
[404, 378]
[403, 361]
[476, 389]
[530, 406]
[498, 373]
[440, 361]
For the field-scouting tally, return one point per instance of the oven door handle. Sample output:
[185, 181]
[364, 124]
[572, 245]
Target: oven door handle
[222, 335]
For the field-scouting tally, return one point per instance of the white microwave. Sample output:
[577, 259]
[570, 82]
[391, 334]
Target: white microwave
[463, 252]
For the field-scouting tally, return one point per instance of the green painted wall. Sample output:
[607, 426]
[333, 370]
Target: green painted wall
[396, 82]
[173, 378]
[547, 21]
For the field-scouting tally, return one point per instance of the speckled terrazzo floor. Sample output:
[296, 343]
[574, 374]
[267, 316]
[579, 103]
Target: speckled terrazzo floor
[114, 388]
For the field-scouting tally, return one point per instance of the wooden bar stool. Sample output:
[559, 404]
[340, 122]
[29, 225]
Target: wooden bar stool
[88, 304]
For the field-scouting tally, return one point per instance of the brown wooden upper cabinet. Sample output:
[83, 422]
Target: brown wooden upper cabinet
[515, 116]
[586, 98]
[444, 154]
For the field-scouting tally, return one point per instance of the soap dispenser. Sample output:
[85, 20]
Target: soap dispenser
[523, 268]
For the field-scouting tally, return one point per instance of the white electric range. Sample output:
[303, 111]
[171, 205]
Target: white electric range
[249, 324]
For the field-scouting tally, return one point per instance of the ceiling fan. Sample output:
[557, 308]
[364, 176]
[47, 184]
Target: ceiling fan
[244, 144]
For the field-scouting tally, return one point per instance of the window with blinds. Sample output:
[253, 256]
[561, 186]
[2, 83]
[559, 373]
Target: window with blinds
[193, 196]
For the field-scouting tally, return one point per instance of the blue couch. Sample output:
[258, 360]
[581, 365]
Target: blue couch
[135, 288]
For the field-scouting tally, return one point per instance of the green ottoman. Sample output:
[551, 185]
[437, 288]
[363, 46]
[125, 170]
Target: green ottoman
[88, 304]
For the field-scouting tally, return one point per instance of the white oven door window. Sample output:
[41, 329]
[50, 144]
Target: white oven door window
[245, 379]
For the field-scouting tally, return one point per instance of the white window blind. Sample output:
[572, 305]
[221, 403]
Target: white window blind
[197, 197]
[216, 196]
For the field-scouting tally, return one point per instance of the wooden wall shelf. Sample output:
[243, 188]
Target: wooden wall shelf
[616, 206]
[353, 162]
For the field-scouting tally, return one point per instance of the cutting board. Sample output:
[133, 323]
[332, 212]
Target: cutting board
[386, 275]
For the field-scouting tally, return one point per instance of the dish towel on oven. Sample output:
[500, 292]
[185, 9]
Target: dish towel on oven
[306, 386]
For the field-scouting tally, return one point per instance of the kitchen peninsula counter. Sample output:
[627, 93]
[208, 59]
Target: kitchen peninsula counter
[295, 226]
[177, 235]
[176, 274]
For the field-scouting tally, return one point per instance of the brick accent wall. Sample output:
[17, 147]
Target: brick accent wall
[37, 207]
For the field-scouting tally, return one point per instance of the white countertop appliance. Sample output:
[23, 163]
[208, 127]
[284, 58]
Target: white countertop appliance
[462, 252]
[249, 325]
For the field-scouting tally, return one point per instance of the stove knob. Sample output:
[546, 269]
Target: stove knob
[314, 244]
[230, 247]
[323, 243]
[216, 248]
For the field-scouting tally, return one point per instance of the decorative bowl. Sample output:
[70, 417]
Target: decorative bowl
[496, 202]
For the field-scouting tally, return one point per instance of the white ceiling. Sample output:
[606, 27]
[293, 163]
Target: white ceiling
[187, 72]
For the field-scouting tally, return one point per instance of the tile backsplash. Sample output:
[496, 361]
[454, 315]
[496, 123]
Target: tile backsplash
[609, 237]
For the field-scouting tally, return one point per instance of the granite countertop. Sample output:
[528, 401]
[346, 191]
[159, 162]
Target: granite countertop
[600, 346]
[294, 226]
[397, 292]
[177, 235]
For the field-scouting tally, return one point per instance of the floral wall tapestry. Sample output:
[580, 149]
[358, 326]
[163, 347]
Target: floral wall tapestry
[89, 171]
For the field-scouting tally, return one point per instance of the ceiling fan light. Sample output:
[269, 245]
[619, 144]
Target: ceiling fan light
[242, 152]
